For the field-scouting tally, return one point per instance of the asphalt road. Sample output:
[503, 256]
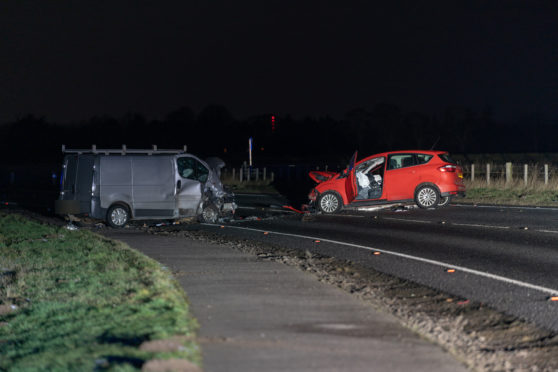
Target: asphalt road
[505, 257]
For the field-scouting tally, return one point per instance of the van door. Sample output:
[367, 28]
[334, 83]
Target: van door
[153, 186]
[69, 177]
[115, 180]
[84, 181]
[191, 177]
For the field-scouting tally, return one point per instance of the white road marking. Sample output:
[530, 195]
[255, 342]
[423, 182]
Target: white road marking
[548, 231]
[406, 219]
[550, 291]
[430, 222]
[478, 225]
[466, 224]
[447, 223]
[506, 207]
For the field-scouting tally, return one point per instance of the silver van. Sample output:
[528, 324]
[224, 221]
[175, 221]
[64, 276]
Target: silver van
[125, 184]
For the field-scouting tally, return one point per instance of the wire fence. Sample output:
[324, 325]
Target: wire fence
[527, 174]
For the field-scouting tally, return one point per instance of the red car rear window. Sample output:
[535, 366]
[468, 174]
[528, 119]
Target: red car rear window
[447, 158]
[423, 158]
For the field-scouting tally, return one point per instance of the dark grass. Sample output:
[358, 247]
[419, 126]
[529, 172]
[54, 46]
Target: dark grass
[510, 196]
[83, 302]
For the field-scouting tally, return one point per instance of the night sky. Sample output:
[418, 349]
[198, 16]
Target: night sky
[71, 60]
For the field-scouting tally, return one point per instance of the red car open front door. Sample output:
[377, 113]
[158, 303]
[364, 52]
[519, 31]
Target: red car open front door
[350, 182]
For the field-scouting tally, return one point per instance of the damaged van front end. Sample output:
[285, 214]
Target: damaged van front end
[217, 201]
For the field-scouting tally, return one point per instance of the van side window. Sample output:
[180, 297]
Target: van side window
[192, 169]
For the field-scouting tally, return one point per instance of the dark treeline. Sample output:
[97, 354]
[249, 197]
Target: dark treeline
[215, 132]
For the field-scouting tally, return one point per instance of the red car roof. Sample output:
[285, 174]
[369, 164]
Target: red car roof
[427, 152]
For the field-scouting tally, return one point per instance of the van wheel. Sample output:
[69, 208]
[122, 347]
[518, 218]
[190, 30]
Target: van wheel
[210, 214]
[427, 197]
[330, 202]
[117, 216]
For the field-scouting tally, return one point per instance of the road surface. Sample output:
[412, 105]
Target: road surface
[506, 257]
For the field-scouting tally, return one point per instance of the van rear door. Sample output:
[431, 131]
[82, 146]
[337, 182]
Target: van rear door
[69, 177]
[84, 181]
[76, 185]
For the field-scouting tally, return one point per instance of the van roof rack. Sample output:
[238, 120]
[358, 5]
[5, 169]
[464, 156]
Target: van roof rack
[122, 151]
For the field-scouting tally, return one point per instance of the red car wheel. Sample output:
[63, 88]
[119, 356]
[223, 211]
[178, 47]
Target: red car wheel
[330, 202]
[427, 197]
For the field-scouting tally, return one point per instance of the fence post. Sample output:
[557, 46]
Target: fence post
[546, 174]
[265, 173]
[248, 173]
[508, 172]
[257, 174]
[241, 172]
[272, 176]
[525, 173]
[472, 172]
[488, 173]
[233, 173]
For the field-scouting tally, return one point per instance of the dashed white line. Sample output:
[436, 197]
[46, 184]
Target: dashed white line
[466, 224]
[449, 223]
[550, 291]
[478, 225]
[406, 219]
[505, 207]
[548, 231]
[430, 222]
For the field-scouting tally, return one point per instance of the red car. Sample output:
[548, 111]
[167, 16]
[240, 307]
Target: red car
[429, 178]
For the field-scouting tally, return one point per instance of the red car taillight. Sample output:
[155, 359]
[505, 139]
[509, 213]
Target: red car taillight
[448, 168]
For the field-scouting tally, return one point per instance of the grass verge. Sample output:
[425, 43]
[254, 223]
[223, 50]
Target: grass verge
[515, 193]
[72, 300]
